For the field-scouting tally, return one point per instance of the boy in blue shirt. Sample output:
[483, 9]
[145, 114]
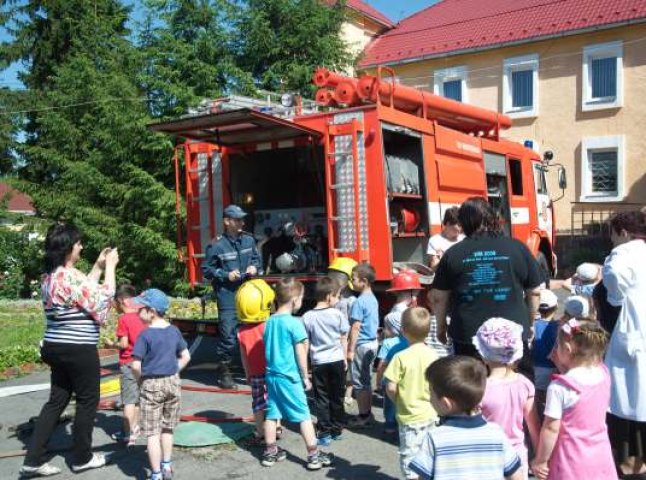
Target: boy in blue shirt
[362, 341]
[286, 376]
[159, 355]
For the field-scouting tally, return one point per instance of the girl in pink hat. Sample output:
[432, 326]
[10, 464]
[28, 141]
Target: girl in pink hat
[509, 396]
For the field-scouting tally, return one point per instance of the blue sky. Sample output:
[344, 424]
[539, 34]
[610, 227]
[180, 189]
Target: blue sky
[396, 10]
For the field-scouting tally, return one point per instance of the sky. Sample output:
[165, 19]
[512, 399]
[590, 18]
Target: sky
[396, 10]
[393, 9]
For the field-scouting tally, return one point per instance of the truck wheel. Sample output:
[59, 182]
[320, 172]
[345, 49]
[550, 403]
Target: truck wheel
[544, 267]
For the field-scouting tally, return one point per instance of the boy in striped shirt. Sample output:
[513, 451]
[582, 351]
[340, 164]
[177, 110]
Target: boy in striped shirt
[465, 446]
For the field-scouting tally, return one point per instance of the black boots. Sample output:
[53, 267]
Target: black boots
[224, 377]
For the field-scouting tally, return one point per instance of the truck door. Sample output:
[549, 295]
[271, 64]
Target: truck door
[543, 201]
[497, 190]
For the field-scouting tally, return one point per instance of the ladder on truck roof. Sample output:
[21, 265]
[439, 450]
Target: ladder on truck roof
[347, 223]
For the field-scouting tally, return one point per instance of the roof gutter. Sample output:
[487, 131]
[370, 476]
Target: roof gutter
[388, 25]
[495, 46]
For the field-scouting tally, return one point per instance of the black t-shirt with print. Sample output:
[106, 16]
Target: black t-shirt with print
[487, 276]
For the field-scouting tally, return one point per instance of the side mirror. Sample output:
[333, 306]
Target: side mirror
[562, 176]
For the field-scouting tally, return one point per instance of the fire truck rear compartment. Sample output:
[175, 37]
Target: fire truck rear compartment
[284, 192]
[404, 169]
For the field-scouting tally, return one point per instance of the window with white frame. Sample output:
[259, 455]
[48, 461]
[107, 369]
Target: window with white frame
[602, 76]
[602, 167]
[520, 86]
[451, 83]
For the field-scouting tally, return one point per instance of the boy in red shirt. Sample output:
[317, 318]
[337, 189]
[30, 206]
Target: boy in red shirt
[129, 326]
[254, 301]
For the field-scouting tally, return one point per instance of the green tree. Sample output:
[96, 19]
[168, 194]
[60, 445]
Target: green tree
[187, 44]
[281, 42]
[88, 157]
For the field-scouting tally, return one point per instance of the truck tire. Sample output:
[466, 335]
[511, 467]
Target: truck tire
[544, 267]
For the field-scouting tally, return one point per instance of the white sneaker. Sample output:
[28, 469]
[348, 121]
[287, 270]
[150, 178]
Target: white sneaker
[97, 461]
[45, 470]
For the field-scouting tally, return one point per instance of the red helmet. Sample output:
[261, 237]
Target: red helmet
[405, 280]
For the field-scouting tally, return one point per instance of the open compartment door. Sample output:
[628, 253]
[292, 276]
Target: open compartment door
[233, 128]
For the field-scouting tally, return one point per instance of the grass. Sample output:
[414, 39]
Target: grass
[22, 324]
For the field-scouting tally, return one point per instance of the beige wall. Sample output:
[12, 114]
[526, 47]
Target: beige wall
[561, 124]
[357, 33]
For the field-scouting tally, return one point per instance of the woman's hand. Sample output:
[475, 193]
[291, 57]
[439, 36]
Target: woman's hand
[112, 257]
[100, 261]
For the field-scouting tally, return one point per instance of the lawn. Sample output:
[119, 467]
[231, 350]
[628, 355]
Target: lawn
[22, 323]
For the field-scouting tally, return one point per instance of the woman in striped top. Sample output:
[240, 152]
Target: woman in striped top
[76, 305]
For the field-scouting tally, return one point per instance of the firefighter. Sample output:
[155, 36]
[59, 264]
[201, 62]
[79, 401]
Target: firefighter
[228, 262]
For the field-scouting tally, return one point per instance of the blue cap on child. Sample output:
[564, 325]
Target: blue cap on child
[152, 298]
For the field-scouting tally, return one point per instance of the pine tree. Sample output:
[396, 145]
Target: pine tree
[89, 157]
[281, 42]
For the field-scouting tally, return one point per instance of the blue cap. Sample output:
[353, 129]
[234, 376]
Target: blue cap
[235, 212]
[152, 298]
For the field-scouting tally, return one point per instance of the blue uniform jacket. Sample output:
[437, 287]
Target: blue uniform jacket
[226, 255]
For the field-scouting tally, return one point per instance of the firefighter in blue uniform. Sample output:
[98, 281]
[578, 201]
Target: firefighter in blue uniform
[229, 261]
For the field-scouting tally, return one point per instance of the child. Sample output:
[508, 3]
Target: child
[327, 330]
[406, 386]
[129, 326]
[574, 438]
[584, 280]
[254, 300]
[545, 331]
[465, 446]
[432, 341]
[159, 354]
[341, 270]
[362, 342]
[286, 354]
[577, 306]
[405, 285]
[509, 396]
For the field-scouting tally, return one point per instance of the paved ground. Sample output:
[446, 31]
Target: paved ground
[363, 454]
[359, 455]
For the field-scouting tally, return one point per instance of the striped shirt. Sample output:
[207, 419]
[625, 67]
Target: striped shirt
[75, 306]
[465, 448]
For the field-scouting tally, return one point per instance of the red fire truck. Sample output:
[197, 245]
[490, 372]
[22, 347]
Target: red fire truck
[368, 176]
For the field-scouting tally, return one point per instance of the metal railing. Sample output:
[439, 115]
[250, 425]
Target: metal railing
[591, 219]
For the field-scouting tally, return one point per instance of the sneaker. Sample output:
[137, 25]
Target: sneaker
[97, 461]
[269, 458]
[319, 460]
[167, 471]
[45, 470]
[324, 440]
[360, 421]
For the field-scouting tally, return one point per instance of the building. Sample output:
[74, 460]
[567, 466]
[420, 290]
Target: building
[363, 24]
[571, 74]
[18, 205]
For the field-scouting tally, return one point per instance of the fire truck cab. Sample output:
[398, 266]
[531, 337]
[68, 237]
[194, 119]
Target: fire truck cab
[369, 179]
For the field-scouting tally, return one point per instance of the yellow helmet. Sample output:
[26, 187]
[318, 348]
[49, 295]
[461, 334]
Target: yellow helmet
[254, 299]
[344, 265]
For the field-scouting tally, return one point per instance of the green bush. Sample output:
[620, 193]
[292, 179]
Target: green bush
[20, 263]
[17, 355]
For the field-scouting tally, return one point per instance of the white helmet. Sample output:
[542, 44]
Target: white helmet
[286, 263]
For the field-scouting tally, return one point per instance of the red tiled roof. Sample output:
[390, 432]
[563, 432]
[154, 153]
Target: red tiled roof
[452, 26]
[370, 11]
[18, 201]
[367, 10]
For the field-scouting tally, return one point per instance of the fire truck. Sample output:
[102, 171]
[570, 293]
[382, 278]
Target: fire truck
[366, 173]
